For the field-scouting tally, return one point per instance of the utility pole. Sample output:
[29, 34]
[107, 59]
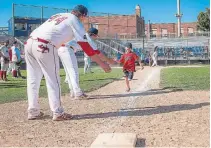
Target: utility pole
[179, 16]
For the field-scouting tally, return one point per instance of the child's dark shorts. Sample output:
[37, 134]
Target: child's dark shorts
[128, 74]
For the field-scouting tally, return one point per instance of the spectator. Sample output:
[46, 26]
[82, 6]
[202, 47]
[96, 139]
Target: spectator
[15, 27]
[142, 59]
[16, 58]
[168, 53]
[155, 57]
[150, 59]
[9, 70]
[23, 27]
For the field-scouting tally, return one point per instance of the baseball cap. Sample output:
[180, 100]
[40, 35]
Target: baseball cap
[128, 45]
[82, 9]
[93, 31]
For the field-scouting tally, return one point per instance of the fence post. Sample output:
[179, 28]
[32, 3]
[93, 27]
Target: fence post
[41, 14]
[108, 26]
[88, 21]
[13, 19]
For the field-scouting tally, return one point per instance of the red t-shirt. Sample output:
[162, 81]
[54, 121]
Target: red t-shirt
[128, 60]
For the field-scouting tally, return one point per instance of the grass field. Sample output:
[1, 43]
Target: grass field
[187, 78]
[15, 89]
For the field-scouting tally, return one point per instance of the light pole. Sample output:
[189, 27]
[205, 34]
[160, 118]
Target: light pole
[179, 16]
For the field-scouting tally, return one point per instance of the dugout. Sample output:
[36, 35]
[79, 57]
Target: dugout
[23, 26]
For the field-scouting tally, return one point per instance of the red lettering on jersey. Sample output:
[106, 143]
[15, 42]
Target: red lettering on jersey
[53, 17]
[60, 19]
[57, 18]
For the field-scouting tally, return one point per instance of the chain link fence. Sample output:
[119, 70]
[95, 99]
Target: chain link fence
[109, 25]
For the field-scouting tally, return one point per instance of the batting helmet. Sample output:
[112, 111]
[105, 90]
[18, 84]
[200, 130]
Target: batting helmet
[128, 45]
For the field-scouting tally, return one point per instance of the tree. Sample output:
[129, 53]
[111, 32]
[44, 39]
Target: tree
[203, 23]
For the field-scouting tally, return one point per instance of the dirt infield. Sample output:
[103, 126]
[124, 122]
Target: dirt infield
[160, 117]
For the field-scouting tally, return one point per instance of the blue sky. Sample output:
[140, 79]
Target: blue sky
[157, 11]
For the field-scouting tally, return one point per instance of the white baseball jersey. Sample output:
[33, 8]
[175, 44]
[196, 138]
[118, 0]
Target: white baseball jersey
[4, 51]
[60, 29]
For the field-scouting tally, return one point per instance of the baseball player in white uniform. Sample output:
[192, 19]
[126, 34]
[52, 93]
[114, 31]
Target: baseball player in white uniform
[69, 61]
[42, 58]
[87, 64]
[4, 54]
[93, 33]
[70, 64]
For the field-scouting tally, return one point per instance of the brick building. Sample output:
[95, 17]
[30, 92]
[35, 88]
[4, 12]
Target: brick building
[169, 29]
[117, 25]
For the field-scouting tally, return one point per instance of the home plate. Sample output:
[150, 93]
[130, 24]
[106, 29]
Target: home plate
[123, 140]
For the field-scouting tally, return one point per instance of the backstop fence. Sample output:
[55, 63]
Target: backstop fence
[106, 23]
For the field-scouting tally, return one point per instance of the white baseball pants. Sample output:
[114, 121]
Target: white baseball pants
[87, 65]
[70, 65]
[4, 65]
[9, 70]
[39, 63]
[154, 61]
[14, 66]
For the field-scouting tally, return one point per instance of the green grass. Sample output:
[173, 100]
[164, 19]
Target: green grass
[15, 89]
[187, 78]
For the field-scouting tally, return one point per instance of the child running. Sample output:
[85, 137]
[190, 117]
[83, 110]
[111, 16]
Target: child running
[128, 60]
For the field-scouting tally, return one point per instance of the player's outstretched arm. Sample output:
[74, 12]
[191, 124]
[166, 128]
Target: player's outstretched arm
[106, 59]
[88, 46]
[103, 65]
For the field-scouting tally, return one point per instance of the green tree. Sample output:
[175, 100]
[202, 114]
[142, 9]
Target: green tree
[203, 23]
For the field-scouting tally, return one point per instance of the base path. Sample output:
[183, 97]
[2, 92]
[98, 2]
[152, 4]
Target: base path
[159, 117]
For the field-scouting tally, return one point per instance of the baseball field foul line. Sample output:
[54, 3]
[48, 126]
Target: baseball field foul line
[130, 104]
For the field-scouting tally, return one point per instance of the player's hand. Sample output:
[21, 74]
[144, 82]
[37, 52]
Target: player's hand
[105, 67]
[111, 61]
[102, 64]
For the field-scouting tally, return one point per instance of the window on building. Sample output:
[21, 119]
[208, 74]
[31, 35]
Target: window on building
[164, 32]
[20, 26]
[154, 33]
[190, 32]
